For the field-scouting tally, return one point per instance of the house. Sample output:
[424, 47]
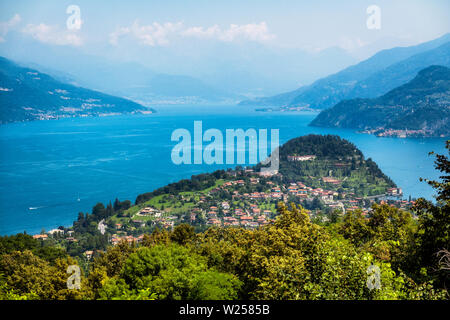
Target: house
[40, 236]
[261, 219]
[71, 239]
[331, 180]
[268, 173]
[139, 223]
[252, 224]
[301, 158]
[59, 231]
[394, 191]
[149, 211]
[214, 222]
[88, 254]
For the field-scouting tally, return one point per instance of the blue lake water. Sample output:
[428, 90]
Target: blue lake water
[66, 166]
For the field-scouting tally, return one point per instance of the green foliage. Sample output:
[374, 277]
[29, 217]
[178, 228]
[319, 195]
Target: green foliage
[434, 222]
[28, 275]
[183, 234]
[117, 289]
[291, 258]
[114, 258]
[388, 233]
[173, 272]
[197, 182]
[334, 155]
[21, 242]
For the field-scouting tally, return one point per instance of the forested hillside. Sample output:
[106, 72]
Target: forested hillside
[27, 94]
[421, 106]
[293, 257]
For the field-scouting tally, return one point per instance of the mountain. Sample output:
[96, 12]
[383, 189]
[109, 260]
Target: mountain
[27, 94]
[337, 165]
[382, 72]
[401, 72]
[125, 79]
[421, 106]
[165, 88]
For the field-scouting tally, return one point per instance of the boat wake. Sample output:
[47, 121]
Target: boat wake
[54, 205]
[35, 208]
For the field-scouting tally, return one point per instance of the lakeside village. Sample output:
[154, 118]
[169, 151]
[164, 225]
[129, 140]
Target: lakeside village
[246, 198]
[382, 132]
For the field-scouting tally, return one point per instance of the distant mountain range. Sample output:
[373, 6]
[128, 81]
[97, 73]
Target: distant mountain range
[129, 80]
[420, 107]
[27, 94]
[377, 75]
[135, 82]
[232, 70]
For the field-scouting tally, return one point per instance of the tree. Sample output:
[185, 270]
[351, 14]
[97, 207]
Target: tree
[28, 274]
[182, 234]
[114, 258]
[99, 211]
[173, 272]
[434, 220]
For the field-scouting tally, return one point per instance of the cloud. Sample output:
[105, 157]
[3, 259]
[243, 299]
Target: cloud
[253, 32]
[158, 34]
[155, 34]
[8, 25]
[53, 35]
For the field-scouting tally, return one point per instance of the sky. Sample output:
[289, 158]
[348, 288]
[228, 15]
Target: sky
[185, 36]
[313, 25]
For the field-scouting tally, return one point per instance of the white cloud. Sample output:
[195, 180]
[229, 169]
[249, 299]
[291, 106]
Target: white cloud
[253, 32]
[155, 34]
[8, 25]
[158, 34]
[53, 35]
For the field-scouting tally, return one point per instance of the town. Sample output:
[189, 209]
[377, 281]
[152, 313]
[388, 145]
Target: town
[246, 198]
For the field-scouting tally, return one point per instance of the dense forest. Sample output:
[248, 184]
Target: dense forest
[292, 258]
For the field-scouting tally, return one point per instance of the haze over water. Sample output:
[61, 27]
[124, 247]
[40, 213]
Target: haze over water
[62, 167]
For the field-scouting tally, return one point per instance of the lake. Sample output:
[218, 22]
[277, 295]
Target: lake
[62, 167]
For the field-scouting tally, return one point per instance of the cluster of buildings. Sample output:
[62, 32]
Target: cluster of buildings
[115, 239]
[301, 158]
[252, 217]
[149, 211]
[400, 133]
[251, 204]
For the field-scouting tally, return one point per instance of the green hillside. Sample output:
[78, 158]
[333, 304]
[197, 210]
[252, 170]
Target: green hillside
[27, 94]
[422, 106]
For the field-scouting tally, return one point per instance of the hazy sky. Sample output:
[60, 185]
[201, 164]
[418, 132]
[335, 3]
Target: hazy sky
[159, 33]
[312, 25]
